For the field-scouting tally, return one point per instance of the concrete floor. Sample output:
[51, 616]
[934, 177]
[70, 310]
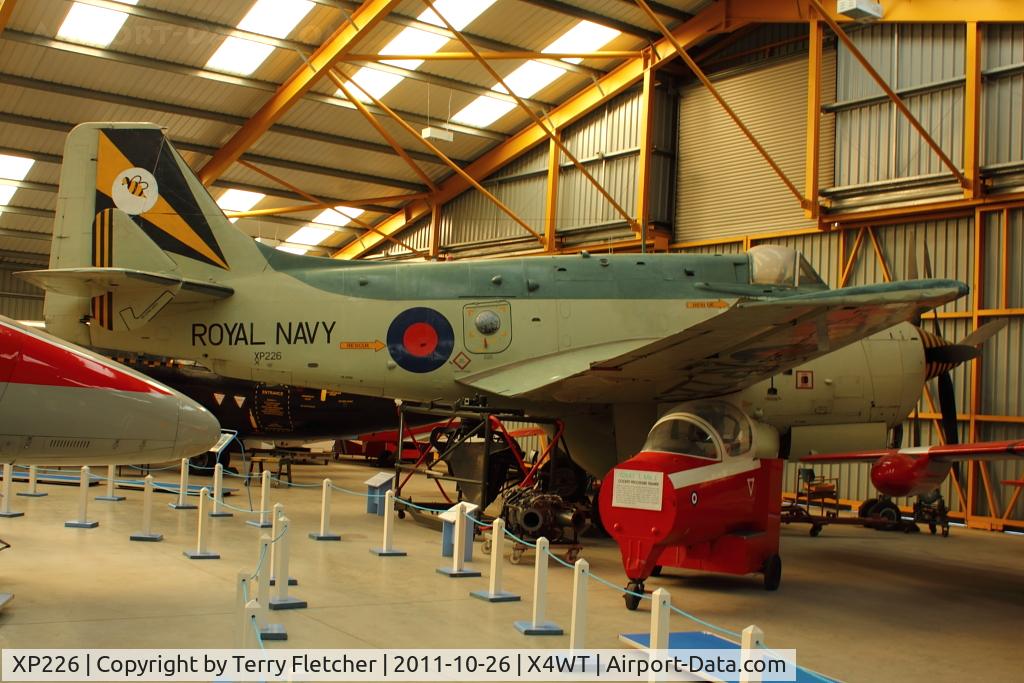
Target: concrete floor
[856, 604]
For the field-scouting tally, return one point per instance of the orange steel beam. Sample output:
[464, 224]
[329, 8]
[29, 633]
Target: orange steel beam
[709, 21]
[492, 55]
[298, 84]
[435, 231]
[895, 11]
[551, 199]
[550, 132]
[6, 10]
[451, 164]
[972, 111]
[886, 273]
[896, 100]
[681, 51]
[358, 221]
[854, 252]
[354, 204]
[643, 173]
[813, 143]
[382, 131]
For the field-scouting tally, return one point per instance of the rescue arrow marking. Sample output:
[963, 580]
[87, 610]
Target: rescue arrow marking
[375, 345]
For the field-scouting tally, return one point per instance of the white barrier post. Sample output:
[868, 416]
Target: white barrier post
[5, 504]
[325, 516]
[275, 534]
[661, 609]
[201, 553]
[578, 625]
[182, 503]
[218, 493]
[282, 600]
[537, 626]
[264, 521]
[268, 631]
[495, 594]
[83, 504]
[241, 602]
[458, 569]
[110, 496]
[386, 549]
[147, 514]
[33, 480]
[251, 632]
[752, 638]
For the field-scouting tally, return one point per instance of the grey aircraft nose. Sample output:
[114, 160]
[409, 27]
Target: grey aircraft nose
[198, 429]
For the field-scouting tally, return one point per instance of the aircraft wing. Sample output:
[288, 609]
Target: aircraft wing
[746, 343]
[985, 450]
[90, 282]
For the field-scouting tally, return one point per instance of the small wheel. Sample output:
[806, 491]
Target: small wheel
[886, 510]
[772, 573]
[656, 571]
[516, 555]
[571, 555]
[815, 530]
[931, 528]
[632, 598]
[485, 547]
[945, 531]
[401, 514]
[865, 508]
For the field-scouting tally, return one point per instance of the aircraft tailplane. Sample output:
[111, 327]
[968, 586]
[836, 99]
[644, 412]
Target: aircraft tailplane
[129, 202]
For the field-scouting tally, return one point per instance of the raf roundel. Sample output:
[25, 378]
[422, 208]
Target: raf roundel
[420, 339]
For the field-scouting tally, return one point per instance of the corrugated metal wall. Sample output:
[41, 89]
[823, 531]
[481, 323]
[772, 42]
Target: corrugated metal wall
[607, 143]
[724, 187]
[1003, 94]
[18, 299]
[924, 63]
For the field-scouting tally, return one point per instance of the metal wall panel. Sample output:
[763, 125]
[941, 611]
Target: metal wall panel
[724, 187]
[875, 142]
[27, 306]
[606, 142]
[1003, 94]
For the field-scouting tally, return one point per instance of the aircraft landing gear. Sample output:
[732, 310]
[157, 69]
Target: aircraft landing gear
[632, 598]
[772, 573]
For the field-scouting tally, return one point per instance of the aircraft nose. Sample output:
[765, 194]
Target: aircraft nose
[198, 430]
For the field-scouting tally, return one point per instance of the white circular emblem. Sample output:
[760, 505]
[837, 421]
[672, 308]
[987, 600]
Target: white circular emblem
[693, 498]
[134, 191]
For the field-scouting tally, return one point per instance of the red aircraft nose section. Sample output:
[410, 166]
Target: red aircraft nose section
[895, 475]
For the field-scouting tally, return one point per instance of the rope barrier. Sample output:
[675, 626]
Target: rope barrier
[256, 630]
[480, 523]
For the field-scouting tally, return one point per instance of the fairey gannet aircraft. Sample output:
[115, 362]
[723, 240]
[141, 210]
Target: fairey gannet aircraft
[144, 260]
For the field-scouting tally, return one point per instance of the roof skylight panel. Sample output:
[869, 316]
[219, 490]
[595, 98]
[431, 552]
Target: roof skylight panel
[93, 25]
[320, 228]
[533, 76]
[239, 200]
[413, 41]
[275, 18]
[12, 168]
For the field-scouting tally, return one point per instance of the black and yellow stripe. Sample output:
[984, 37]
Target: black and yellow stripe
[103, 257]
[934, 368]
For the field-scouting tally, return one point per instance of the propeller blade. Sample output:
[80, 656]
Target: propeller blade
[947, 407]
[983, 333]
[954, 354]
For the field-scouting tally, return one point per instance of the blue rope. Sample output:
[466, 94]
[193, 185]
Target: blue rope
[256, 630]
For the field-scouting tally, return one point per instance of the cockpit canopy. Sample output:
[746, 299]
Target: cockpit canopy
[705, 429]
[772, 264]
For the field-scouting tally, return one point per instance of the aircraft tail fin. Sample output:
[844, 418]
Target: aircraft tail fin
[130, 203]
